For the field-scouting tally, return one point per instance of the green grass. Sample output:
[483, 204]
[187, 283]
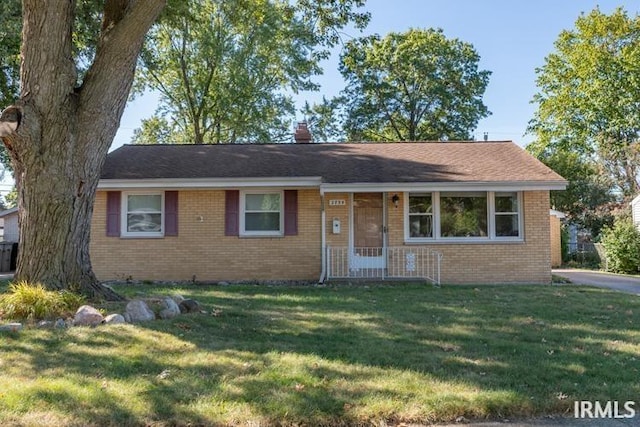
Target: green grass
[331, 355]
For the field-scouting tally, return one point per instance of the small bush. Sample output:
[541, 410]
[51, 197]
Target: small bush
[622, 246]
[35, 302]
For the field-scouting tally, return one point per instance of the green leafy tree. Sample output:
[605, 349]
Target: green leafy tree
[326, 120]
[588, 199]
[59, 129]
[416, 85]
[622, 246]
[223, 69]
[589, 92]
[11, 199]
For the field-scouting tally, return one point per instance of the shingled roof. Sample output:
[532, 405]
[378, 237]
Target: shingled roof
[344, 163]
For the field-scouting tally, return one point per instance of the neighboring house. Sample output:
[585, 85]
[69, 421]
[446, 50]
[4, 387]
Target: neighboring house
[11, 231]
[312, 212]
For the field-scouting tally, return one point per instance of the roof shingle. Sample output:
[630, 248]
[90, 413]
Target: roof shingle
[401, 162]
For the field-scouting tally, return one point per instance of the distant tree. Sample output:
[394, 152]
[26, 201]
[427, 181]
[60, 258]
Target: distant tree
[60, 128]
[589, 93]
[11, 199]
[156, 129]
[416, 85]
[11, 18]
[223, 69]
[326, 120]
[588, 199]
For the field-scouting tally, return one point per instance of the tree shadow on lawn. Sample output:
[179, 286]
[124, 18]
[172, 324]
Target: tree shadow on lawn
[343, 356]
[544, 347]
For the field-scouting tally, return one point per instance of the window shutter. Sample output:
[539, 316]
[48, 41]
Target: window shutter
[170, 213]
[113, 213]
[290, 212]
[232, 213]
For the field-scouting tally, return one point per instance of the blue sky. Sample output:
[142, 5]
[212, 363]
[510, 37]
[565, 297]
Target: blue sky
[512, 37]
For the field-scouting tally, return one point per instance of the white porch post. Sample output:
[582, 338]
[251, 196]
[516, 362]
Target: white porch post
[323, 238]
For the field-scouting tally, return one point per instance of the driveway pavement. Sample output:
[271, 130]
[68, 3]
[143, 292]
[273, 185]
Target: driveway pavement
[618, 282]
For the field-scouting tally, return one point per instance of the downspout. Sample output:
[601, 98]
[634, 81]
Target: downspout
[323, 239]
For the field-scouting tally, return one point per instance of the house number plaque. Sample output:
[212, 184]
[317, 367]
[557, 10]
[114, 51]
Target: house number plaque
[336, 202]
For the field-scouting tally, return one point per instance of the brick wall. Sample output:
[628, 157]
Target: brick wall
[202, 250]
[527, 262]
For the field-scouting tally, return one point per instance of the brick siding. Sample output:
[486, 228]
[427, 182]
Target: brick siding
[202, 251]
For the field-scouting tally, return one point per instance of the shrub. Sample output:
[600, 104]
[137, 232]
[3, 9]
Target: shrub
[622, 246]
[35, 302]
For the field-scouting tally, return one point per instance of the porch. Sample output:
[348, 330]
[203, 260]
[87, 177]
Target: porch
[380, 263]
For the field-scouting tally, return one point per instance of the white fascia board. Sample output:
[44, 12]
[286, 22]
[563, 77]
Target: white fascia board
[208, 183]
[443, 186]
[635, 200]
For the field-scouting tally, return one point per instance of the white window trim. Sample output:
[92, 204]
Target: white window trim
[491, 227]
[435, 219]
[125, 210]
[492, 215]
[246, 233]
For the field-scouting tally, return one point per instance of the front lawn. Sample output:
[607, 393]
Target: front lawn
[331, 355]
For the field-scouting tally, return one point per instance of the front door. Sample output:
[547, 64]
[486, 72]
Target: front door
[368, 230]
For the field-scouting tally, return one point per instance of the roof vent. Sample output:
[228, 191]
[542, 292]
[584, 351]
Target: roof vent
[302, 134]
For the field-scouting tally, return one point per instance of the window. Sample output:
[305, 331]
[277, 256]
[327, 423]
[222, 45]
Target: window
[142, 215]
[261, 214]
[507, 215]
[463, 215]
[421, 215]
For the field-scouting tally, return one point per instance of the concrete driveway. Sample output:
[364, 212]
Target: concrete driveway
[618, 282]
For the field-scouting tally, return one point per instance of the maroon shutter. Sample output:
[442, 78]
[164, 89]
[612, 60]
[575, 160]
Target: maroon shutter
[232, 213]
[170, 213]
[113, 213]
[290, 212]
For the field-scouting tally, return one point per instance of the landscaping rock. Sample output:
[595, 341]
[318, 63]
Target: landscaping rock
[189, 306]
[171, 309]
[45, 324]
[138, 311]
[60, 324]
[114, 319]
[177, 298]
[87, 316]
[11, 327]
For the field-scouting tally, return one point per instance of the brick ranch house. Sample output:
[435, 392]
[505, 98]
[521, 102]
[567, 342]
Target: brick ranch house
[455, 212]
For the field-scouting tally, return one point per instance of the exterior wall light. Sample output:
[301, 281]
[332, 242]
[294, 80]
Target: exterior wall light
[396, 200]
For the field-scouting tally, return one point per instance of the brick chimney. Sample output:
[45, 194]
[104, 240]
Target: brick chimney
[302, 134]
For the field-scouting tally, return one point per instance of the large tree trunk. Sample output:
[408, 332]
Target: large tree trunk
[58, 134]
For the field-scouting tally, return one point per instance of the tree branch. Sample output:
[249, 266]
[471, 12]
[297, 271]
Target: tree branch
[125, 26]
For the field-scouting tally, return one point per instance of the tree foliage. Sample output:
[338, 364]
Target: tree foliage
[589, 96]
[588, 199]
[223, 69]
[622, 246]
[416, 85]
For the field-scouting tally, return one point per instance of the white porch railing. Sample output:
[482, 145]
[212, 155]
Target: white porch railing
[384, 263]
